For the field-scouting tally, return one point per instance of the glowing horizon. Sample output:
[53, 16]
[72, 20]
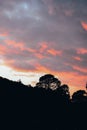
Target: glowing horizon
[31, 78]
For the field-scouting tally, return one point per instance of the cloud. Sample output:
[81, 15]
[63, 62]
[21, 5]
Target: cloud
[54, 52]
[15, 44]
[82, 51]
[77, 58]
[80, 69]
[43, 47]
[45, 36]
[3, 34]
[84, 25]
[2, 49]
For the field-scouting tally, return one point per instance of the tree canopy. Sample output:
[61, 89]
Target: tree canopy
[48, 81]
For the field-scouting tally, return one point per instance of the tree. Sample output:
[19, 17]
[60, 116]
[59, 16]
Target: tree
[86, 86]
[79, 96]
[48, 81]
[63, 91]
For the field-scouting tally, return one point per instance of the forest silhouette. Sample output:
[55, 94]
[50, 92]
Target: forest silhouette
[47, 106]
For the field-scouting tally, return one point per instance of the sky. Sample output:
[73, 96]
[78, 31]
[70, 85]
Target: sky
[44, 36]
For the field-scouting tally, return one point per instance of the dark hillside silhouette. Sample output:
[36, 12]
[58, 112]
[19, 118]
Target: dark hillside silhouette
[47, 106]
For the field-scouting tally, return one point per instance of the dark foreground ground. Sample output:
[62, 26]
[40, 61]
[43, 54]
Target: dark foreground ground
[28, 108]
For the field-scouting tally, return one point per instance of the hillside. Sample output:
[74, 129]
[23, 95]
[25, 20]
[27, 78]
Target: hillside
[24, 107]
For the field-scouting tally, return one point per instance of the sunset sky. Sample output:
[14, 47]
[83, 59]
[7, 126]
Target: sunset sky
[44, 36]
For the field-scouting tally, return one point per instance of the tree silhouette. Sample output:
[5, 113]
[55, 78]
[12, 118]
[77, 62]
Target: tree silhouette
[64, 91]
[86, 86]
[48, 81]
[79, 96]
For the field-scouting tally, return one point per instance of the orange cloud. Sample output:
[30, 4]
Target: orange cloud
[6, 50]
[77, 58]
[35, 52]
[43, 47]
[38, 55]
[3, 49]
[4, 34]
[40, 68]
[54, 52]
[82, 51]
[80, 69]
[84, 25]
[12, 43]
[21, 46]
[30, 50]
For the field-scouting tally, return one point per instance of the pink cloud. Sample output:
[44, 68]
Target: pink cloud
[43, 47]
[80, 69]
[54, 52]
[81, 51]
[84, 25]
[4, 34]
[15, 44]
[3, 49]
[77, 58]
[30, 50]
[38, 55]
